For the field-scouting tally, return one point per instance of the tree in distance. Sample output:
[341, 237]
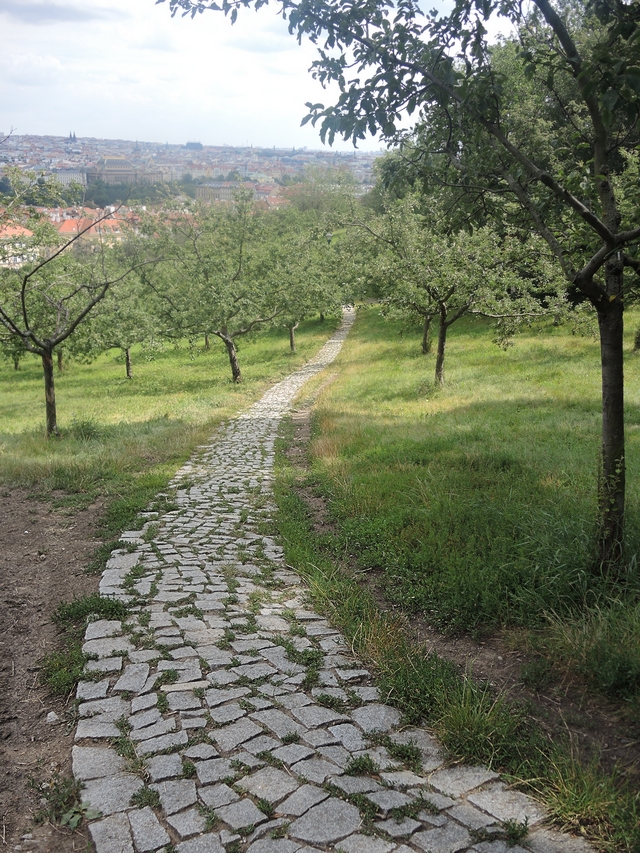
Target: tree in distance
[311, 252]
[562, 154]
[44, 301]
[422, 273]
[220, 277]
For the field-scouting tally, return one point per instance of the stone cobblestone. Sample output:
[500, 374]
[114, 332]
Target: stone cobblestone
[207, 681]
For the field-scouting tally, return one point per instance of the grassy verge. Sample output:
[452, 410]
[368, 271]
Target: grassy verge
[471, 721]
[62, 668]
[478, 501]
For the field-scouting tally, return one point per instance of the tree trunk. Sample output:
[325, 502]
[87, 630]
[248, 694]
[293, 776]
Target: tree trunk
[60, 360]
[442, 341]
[426, 340]
[292, 337]
[233, 357]
[49, 395]
[207, 344]
[322, 316]
[16, 362]
[127, 362]
[612, 483]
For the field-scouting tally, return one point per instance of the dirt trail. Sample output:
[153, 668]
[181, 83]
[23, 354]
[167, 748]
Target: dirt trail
[43, 554]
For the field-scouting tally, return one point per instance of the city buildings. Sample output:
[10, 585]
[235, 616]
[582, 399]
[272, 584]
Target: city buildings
[76, 159]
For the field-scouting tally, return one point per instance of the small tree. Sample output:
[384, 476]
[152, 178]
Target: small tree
[221, 275]
[120, 321]
[425, 273]
[44, 301]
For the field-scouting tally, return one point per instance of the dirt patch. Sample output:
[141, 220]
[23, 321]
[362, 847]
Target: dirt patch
[597, 727]
[43, 554]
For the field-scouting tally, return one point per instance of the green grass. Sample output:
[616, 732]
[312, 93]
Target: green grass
[473, 723]
[478, 501]
[60, 801]
[124, 439]
[63, 668]
[114, 429]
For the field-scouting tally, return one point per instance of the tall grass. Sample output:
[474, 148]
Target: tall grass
[472, 722]
[478, 502]
[602, 644]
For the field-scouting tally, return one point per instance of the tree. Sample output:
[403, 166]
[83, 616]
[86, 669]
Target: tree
[121, 320]
[44, 301]
[310, 257]
[388, 59]
[423, 272]
[221, 276]
[313, 279]
[13, 349]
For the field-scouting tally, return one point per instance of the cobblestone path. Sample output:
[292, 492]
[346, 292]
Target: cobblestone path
[225, 715]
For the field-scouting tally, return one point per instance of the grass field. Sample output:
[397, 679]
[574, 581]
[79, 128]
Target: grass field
[479, 500]
[125, 438]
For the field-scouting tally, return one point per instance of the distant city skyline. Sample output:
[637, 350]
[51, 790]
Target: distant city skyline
[83, 160]
[125, 69]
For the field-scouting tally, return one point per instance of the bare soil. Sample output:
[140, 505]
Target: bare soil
[43, 554]
[599, 728]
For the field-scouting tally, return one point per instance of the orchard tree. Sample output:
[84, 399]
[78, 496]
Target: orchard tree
[221, 273]
[389, 58]
[13, 349]
[422, 272]
[120, 321]
[44, 300]
[309, 267]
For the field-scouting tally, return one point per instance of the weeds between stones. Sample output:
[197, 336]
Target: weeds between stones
[145, 797]
[413, 809]
[270, 759]
[167, 676]
[266, 807]
[333, 702]
[280, 831]
[407, 753]
[363, 765]
[291, 737]
[211, 819]
[188, 769]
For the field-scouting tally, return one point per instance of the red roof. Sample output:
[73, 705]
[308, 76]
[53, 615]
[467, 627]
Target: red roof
[14, 231]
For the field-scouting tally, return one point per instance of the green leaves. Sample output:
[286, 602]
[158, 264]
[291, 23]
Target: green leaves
[74, 817]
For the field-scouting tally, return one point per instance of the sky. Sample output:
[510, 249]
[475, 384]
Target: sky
[125, 69]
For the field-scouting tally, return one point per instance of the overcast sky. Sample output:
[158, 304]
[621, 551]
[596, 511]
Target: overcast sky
[124, 69]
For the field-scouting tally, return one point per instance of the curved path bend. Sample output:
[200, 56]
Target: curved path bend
[225, 716]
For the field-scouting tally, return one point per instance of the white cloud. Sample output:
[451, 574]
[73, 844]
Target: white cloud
[30, 69]
[157, 41]
[44, 13]
[137, 73]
